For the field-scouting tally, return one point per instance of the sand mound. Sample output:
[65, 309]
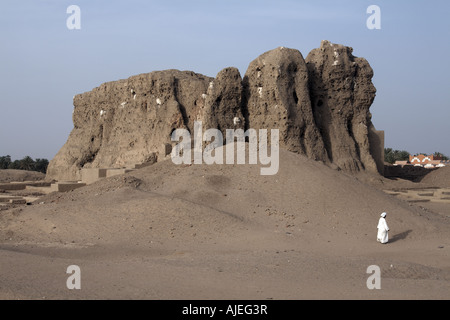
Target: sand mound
[200, 203]
[9, 175]
[438, 178]
[223, 232]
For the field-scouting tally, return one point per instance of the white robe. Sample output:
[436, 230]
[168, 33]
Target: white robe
[382, 231]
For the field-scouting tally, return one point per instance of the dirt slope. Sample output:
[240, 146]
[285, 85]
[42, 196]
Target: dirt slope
[224, 232]
[9, 175]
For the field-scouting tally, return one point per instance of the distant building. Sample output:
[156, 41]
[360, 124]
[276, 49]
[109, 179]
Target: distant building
[423, 159]
[426, 161]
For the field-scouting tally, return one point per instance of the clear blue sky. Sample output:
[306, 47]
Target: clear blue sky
[43, 64]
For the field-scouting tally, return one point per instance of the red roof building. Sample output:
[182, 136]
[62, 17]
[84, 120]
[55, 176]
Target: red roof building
[431, 161]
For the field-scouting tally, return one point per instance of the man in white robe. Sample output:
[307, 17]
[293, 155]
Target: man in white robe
[383, 229]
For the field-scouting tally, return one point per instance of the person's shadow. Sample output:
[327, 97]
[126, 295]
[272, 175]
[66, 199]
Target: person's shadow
[400, 236]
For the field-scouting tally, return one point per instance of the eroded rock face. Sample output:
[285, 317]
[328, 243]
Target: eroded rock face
[341, 94]
[122, 123]
[320, 106]
[277, 96]
[223, 102]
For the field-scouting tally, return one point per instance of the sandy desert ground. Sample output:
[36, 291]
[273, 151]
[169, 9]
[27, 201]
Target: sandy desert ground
[226, 232]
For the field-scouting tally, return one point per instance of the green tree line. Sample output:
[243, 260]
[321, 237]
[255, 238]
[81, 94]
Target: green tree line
[391, 155]
[444, 157]
[27, 163]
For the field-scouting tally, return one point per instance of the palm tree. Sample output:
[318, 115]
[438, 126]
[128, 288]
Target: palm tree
[438, 154]
[27, 163]
[5, 162]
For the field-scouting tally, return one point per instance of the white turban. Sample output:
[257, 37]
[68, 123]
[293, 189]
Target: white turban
[383, 214]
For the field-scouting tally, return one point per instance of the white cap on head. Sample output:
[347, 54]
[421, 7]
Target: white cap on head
[383, 214]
